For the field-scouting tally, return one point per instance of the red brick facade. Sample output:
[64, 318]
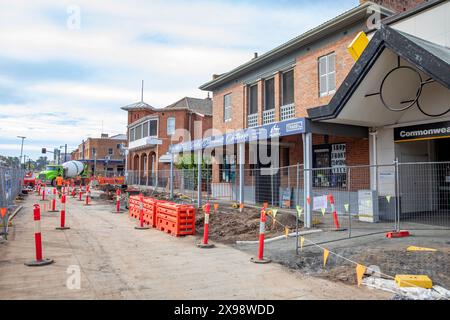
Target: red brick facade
[142, 159]
[397, 5]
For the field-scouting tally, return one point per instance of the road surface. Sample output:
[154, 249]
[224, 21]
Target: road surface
[118, 262]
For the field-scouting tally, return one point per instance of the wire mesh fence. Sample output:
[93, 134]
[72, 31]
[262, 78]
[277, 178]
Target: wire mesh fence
[11, 182]
[353, 200]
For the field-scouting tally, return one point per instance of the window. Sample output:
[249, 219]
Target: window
[253, 99]
[269, 94]
[145, 129]
[288, 88]
[170, 126]
[327, 74]
[228, 169]
[227, 107]
[94, 151]
[132, 134]
[138, 132]
[110, 151]
[153, 128]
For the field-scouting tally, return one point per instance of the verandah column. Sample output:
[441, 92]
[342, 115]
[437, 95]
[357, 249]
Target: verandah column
[241, 171]
[199, 178]
[307, 178]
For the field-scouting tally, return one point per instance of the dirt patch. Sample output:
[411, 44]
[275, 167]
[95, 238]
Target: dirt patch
[391, 261]
[229, 225]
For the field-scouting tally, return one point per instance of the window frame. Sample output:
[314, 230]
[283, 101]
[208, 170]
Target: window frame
[283, 95]
[174, 126]
[250, 87]
[227, 107]
[327, 74]
[265, 93]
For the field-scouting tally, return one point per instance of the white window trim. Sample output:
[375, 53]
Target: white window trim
[327, 92]
[133, 127]
[174, 126]
[230, 107]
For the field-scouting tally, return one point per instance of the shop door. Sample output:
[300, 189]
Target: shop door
[267, 181]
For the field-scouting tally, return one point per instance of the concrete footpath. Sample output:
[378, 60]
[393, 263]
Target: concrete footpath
[118, 262]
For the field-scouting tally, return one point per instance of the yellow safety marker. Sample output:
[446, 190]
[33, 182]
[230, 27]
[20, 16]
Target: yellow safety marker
[406, 280]
[360, 270]
[302, 241]
[357, 46]
[325, 256]
[414, 248]
[286, 232]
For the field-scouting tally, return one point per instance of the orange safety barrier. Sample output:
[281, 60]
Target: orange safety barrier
[133, 205]
[112, 181]
[175, 219]
[150, 211]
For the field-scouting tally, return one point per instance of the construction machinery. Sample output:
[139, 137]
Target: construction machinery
[70, 169]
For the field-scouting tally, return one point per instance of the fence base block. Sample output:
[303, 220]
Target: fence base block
[141, 228]
[258, 261]
[205, 246]
[399, 234]
[62, 228]
[39, 263]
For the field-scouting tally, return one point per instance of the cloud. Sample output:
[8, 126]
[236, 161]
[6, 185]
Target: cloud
[58, 85]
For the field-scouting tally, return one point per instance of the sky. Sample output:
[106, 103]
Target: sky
[66, 67]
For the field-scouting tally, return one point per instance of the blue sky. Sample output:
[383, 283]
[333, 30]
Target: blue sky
[58, 83]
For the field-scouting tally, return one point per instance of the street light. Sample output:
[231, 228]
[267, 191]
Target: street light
[21, 149]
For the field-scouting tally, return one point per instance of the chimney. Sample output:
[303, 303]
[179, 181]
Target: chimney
[255, 55]
[397, 5]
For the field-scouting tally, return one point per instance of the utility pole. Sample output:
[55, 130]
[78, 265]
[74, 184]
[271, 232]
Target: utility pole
[65, 152]
[21, 149]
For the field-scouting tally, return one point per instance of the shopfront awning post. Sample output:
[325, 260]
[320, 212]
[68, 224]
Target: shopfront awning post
[307, 180]
[199, 178]
[241, 172]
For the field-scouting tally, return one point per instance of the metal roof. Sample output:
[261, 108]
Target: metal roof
[202, 106]
[141, 105]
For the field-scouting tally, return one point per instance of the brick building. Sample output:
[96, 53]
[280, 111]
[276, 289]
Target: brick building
[151, 131]
[270, 96]
[105, 155]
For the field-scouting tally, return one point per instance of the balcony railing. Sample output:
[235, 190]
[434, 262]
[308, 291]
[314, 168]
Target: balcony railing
[252, 120]
[287, 111]
[268, 116]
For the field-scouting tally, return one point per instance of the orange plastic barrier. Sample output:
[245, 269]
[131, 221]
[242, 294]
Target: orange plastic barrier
[175, 219]
[111, 181]
[134, 207]
[150, 211]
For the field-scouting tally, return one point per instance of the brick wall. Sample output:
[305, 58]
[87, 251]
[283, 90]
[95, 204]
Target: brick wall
[306, 74]
[397, 5]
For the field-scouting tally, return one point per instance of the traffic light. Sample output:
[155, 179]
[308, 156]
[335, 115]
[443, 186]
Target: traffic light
[44, 150]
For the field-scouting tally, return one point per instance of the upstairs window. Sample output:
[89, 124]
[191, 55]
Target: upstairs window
[138, 132]
[170, 126]
[269, 94]
[327, 75]
[110, 151]
[288, 88]
[132, 134]
[153, 128]
[145, 129]
[253, 99]
[227, 107]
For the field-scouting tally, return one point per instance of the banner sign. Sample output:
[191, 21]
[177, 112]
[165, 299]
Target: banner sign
[422, 132]
[268, 131]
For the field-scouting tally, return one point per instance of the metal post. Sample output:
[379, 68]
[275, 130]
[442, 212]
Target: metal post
[171, 175]
[348, 199]
[307, 180]
[241, 172]
[397, 197]
[199, 178]
[297, 203]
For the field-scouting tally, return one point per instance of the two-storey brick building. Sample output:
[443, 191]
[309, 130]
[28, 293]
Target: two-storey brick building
[269, 97]
[152, 130]
[105, 155]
